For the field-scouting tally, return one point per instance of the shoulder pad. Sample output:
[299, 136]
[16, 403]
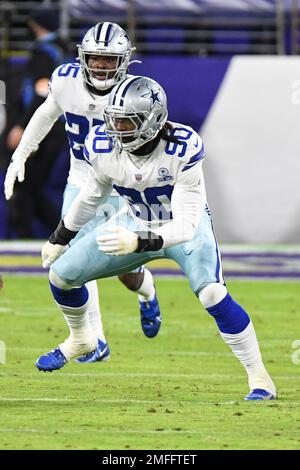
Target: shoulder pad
[69, 70]
[195, 152]
[96, 144]
[189, 145]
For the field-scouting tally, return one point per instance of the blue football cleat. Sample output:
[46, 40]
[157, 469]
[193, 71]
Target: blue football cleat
[101, 353]
[53, 360]
[260, 394]
[150, 317]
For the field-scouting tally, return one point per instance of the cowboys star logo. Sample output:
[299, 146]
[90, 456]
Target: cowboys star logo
[152, 95]
[164, 175]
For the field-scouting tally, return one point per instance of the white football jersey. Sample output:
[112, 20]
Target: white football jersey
[81, 110]
[148, 189]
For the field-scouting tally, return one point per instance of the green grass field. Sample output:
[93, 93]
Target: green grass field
[181, 390]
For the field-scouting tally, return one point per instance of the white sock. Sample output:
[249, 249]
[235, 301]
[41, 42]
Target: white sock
[82, 339]
[93, 308]
[245, 347]
[147, 290]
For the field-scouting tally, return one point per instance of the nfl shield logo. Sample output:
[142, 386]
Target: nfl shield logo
[92, 107]
[138, 177]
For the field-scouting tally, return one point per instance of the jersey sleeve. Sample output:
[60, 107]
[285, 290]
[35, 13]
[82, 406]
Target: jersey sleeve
[97, 148]
[188, 197]
[194, 153]
[60, 76]
[55, 84]
[187, 147]
[187, 205]
[84, 206]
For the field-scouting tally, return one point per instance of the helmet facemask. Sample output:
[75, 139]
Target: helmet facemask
[105, 40]
[140, 105]
[111, 76]
[138, 134]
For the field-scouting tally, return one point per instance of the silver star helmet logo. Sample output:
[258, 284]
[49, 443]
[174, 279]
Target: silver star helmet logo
[153, 96]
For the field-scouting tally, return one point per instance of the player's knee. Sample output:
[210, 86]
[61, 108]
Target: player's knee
[57, 281]
[132, 281]
[212, 294]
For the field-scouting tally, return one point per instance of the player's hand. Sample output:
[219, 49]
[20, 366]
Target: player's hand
[51, 252]
[15, 171]
[118, 241]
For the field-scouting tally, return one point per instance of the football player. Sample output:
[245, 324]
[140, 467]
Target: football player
[80, 92]
[156, 166]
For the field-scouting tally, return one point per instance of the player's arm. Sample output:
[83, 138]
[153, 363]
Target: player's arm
[187, 204]
[96, 189]
[83, 209]
[98, 186]
[38, 127]
[94, 193]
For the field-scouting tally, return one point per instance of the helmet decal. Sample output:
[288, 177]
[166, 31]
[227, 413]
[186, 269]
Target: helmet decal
[107, 40]
[140, 105]
[152, 95]
[121, 91]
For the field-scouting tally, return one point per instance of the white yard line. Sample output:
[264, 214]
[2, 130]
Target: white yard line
[104, 374]
[106, 430]
[124, 401]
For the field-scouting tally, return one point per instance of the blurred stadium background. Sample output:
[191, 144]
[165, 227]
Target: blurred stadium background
[231, 70]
